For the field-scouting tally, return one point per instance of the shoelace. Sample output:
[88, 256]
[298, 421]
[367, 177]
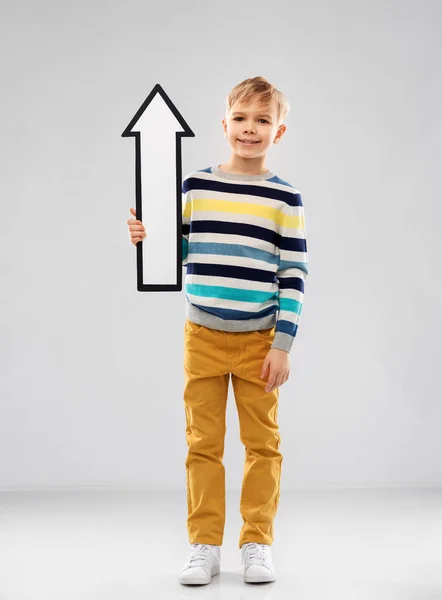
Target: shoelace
[198, 553]
[257, 554]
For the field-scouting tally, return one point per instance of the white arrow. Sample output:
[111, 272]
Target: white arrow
[158, 128]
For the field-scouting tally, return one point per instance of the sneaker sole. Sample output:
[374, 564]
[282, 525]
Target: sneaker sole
[258, 578]
[199, 580]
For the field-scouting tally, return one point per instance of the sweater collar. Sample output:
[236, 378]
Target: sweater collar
[239, 176]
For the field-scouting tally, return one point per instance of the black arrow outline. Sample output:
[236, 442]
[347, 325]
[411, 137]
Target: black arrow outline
[164, 287]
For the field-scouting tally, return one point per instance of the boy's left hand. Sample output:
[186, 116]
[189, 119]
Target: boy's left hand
[278, 362]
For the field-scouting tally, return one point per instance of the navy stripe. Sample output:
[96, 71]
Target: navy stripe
[253, 231]
[293, 283]
[238, 315]
[195, 183]
[214, 270]
[293, 244]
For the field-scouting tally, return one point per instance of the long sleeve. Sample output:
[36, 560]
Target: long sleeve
[186, 214]
[291, 274]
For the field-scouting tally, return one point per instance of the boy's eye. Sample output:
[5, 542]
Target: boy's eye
[265, 120]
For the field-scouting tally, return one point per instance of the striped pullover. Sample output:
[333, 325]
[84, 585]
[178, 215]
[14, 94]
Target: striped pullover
[245, 251]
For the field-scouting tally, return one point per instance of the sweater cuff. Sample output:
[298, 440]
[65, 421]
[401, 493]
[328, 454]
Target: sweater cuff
[283, 341]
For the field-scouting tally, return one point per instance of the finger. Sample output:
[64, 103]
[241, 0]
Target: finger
[276, 383]
[264, 370]
[271, 382]
[137, 232]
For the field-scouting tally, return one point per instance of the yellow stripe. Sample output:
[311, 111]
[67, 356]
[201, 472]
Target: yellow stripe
[246, 208]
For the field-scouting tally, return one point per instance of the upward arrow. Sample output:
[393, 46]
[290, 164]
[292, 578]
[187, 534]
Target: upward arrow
[158, 128]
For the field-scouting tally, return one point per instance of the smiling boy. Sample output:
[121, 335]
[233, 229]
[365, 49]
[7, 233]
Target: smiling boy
[245, 250]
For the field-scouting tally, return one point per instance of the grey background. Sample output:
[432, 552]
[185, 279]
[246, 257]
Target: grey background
[91, 369]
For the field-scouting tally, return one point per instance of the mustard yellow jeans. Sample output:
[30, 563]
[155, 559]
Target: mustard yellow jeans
[210, 357]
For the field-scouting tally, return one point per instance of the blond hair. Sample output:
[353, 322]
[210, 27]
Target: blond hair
[261, 89]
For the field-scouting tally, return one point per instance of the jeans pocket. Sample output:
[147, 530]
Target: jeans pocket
[192, 328]
[266, 334]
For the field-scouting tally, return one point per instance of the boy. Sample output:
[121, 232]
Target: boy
[244, 246]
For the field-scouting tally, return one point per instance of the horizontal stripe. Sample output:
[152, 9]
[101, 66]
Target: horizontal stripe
[250, 209]
[214, 270]
[237, 315]
[259, 190]
[209, 291]
[232, 250]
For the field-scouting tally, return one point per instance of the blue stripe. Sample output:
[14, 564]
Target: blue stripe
[291, 264]
[286, 327]
[237, 315]
[232, 250]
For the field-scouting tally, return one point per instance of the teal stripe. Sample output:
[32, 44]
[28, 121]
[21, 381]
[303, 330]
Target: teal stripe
[184, 248]
[291, 305]
[216, 291]
[290, 264]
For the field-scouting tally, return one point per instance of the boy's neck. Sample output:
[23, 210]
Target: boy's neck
[239, 166]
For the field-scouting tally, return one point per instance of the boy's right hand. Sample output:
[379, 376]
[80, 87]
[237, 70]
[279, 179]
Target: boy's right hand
[136, 229]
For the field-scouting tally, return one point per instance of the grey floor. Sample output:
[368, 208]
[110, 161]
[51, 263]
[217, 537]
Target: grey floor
[131, 545]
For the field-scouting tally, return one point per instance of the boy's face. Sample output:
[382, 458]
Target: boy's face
[252, 121]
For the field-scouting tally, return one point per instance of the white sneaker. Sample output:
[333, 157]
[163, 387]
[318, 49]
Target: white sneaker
[257, 561]
[202, 563]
